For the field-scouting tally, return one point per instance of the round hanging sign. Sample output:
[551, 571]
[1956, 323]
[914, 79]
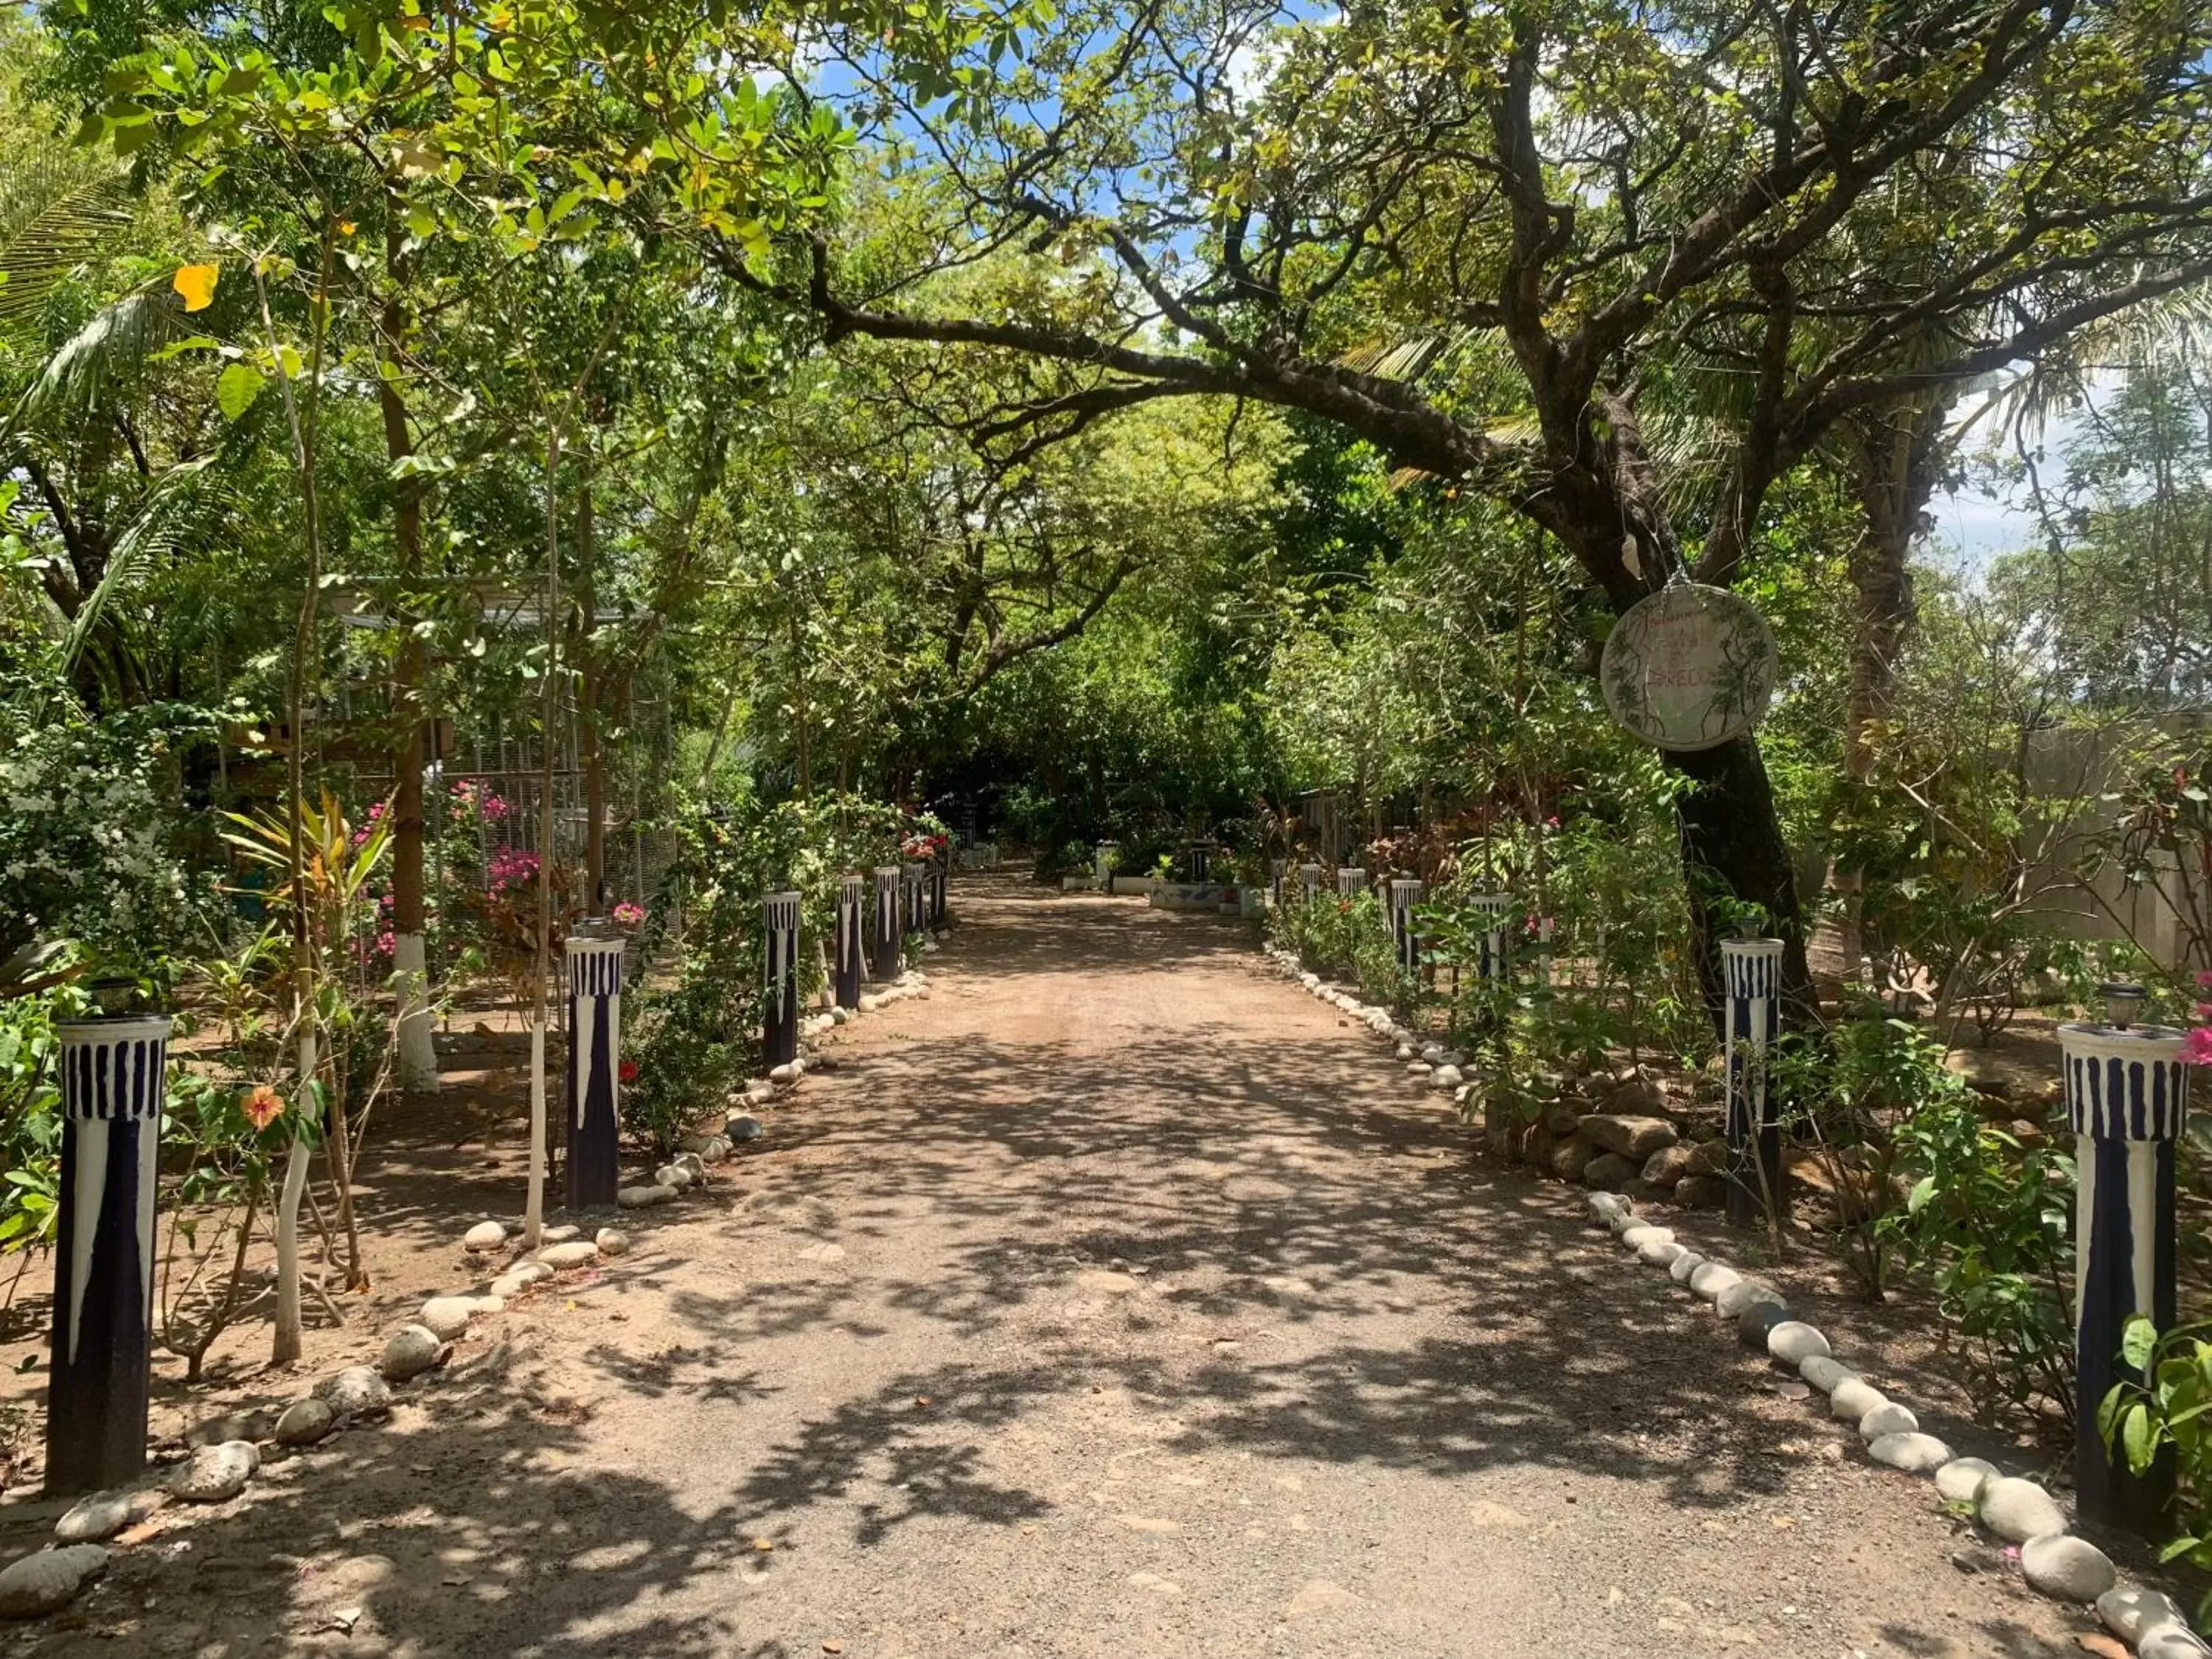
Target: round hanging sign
[1689, 667]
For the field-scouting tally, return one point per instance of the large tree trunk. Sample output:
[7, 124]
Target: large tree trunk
[416, 1059]
[1898, 454]
[1729, 832]
[1732, 846]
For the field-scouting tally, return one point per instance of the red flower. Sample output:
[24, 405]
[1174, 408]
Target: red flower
[627, 1071]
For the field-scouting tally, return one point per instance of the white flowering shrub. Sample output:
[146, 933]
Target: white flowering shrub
[89, 831]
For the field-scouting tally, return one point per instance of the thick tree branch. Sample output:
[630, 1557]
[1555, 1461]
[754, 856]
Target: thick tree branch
[1396, 417]
[1009, 651]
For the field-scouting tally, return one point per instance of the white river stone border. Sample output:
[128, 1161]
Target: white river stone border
[2052, 1560]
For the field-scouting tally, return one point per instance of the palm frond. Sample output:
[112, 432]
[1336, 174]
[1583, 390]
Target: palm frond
[112, 346]
[1395, 359]
[1693, 428]
[53, 213]
[154, 529]
[2123, 343]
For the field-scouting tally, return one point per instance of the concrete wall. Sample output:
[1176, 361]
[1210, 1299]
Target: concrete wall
[2068, 769]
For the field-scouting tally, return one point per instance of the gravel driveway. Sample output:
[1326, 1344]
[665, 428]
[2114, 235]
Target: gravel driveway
[1114, 1300]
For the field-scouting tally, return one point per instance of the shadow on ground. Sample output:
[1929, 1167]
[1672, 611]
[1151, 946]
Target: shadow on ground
[1236, 1236]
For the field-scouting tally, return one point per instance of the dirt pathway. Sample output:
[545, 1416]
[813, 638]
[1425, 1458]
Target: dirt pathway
[1111, 1301]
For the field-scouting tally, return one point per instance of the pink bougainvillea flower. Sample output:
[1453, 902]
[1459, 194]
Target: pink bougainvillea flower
[629, 914]
[264, 1107]
[2197, 1047]
[512, 868]
[2204, 977]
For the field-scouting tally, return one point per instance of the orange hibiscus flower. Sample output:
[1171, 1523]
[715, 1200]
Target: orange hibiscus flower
[263, 1106]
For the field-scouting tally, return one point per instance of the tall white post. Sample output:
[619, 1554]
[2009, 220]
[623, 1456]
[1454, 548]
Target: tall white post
[416, 1060]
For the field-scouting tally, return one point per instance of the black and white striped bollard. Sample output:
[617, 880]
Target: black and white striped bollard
[2126, 1094]
[1351, 881]
[936, 878]
[1750, 973]
[1309, 882]
[852, 936]
[779, 1008]
[1200, 851]
[113, 1081]
[1103, 857]
[886, 964]
[911, 875]
[1493, 960]
[1276, 869]
[1404, 894]
[594, 1100]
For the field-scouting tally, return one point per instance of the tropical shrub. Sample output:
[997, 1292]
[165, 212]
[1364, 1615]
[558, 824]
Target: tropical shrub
[2166, 1415]
[693, 1028]
[222, 1138]
[30, 1121]
[1987, 1222]
[90, 841]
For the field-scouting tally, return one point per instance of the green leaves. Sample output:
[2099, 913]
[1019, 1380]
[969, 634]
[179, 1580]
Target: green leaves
[2163, 1413]
[2138, 1342]
[1986, 1220]
[52, 214]
[236, 388]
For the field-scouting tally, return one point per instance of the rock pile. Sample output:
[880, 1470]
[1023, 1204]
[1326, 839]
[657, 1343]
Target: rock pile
[1629, 1130]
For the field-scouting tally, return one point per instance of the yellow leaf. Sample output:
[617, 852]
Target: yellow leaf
[195, 285]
